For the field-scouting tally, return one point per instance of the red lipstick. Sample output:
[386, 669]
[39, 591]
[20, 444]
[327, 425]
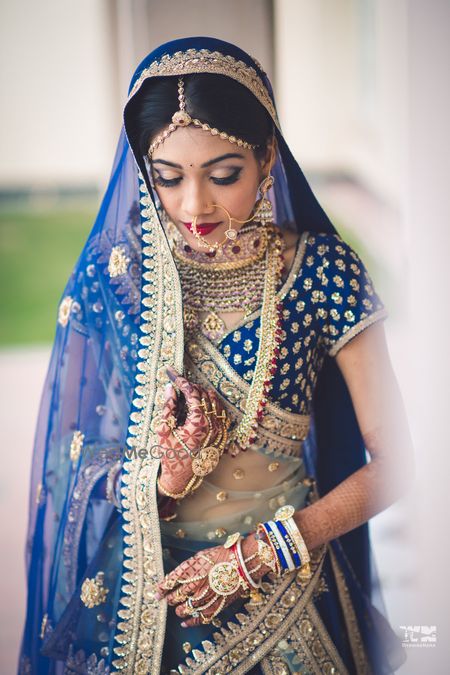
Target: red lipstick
[202, 228]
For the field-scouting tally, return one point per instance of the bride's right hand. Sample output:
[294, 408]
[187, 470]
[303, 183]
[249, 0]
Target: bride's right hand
[176, 461]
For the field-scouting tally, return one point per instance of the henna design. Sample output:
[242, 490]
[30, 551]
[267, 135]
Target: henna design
[176, 462]
[359, 497]
[190, 579]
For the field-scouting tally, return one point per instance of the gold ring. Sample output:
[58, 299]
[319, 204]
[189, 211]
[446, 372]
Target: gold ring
[190, 609]
[170, 584]
[193, 407]
[171, 422]
[203, 618]
[179, 596]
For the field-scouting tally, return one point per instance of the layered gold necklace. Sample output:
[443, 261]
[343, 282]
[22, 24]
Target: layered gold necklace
[243, 275]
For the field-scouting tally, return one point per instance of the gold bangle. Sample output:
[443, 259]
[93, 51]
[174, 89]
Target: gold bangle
[182, 494]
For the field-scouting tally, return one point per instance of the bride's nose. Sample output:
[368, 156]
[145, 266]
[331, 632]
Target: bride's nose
[196, 201]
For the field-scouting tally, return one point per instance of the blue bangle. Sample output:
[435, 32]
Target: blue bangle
[290, 544]
[277, 546]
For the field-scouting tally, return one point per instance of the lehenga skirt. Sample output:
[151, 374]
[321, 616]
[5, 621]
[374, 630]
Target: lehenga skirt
[301, 626]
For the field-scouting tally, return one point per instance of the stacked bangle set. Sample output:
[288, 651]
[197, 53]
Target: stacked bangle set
[287, 544]
[284, 551]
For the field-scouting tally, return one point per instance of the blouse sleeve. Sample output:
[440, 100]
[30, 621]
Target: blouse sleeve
[351, 301]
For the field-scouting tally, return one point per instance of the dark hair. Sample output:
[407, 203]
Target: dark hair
[216, 99]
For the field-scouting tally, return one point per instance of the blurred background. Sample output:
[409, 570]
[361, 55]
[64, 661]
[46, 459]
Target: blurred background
[361, 87]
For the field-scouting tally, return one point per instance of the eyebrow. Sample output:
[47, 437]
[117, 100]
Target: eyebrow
[228, 155]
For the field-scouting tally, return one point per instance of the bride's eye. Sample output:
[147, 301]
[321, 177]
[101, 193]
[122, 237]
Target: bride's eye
[227, 180]
[217, 180]
[166, 182]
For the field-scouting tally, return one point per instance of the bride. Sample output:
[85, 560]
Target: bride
[200, 487]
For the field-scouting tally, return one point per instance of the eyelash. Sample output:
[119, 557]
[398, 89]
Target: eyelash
[173, 182]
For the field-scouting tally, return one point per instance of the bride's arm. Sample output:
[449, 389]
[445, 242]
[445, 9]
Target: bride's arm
[365, 364]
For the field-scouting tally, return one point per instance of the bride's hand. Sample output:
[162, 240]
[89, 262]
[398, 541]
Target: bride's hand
[176, 587]
[176, 460]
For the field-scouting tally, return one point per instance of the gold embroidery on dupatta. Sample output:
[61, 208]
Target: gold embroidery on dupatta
[205, 61]
[141, 629]
[64, 310]
[118, 261]
[76, 446]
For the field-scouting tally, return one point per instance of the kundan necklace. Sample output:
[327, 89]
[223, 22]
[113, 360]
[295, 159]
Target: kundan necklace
[224, 283]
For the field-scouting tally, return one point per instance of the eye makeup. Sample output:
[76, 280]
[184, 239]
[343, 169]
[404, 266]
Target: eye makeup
[172, 182]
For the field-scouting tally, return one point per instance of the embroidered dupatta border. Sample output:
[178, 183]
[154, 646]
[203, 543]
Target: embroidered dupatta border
[194, 61]
[142, 620]
[102, 461]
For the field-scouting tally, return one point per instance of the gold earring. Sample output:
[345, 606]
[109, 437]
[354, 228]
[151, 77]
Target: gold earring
[263, 208]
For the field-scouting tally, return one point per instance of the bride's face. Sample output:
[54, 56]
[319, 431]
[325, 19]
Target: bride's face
[193, 171]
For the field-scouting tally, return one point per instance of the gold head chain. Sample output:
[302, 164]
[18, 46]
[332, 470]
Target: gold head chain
[181, 118]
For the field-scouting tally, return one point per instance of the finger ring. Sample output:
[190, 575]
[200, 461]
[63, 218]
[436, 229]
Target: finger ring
[171, 422]
[203, 618]
[190, 609]
[191, 406]
[205, 407]
[170, 584]
[179, 596]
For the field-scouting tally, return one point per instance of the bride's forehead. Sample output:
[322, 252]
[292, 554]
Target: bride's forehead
[193, 147]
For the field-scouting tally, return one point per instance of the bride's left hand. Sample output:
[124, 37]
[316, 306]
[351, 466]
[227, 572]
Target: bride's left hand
[177, 583]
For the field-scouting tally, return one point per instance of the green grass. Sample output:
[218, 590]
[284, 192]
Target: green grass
[38, 249]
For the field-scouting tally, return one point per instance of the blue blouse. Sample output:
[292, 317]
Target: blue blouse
[328, 298]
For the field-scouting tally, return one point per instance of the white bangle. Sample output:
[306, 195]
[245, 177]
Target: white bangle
[291, 527]
[244, 568]
[282, 543]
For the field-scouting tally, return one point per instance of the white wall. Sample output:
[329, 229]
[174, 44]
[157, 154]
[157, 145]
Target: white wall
[341, 74]
[57, 93]
[65, 70]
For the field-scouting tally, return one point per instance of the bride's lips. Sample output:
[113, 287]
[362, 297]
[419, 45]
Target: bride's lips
[203, 228]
